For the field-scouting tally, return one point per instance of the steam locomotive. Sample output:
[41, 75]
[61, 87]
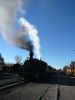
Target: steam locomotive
[33, 68]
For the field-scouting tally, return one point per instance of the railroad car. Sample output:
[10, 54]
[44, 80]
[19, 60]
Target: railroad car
[34, 68]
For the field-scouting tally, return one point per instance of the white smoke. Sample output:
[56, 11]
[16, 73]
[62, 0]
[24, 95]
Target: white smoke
[15, 28]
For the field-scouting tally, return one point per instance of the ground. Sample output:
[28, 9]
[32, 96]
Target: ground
[59, 87]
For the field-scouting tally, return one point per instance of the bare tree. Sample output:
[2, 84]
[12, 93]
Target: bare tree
[1, 59]
[18, 59]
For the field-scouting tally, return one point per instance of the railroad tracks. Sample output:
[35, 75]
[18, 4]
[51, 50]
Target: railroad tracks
[9, 86]
[9, 82]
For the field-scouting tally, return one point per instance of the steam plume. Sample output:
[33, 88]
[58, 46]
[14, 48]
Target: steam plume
[15, 28]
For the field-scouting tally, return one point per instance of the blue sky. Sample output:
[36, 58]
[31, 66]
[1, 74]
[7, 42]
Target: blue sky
[55, 21]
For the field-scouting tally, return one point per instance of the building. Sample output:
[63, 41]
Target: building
[70, 70]
[1, 66]
[67, 70]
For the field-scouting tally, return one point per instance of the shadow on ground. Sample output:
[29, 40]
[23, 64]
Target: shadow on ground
[58, 79]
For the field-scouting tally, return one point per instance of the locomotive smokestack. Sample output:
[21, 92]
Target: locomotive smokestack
[31, 54]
